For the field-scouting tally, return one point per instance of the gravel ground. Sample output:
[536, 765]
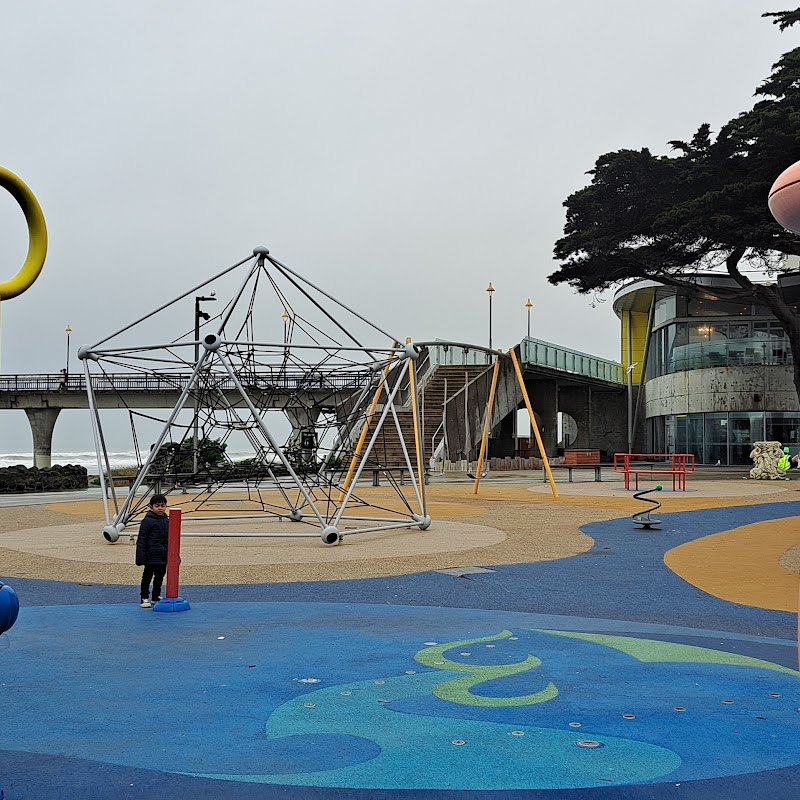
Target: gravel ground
[504, 524]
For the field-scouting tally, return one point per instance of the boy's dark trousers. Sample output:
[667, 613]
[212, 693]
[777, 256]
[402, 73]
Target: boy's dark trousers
[154, 572]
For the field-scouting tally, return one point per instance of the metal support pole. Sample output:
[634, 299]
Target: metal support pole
[418, 441]
[196, 425]
[95, 425]
[383, 415]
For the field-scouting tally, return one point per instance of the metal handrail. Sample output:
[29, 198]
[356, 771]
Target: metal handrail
[433, 438]
[135, 382]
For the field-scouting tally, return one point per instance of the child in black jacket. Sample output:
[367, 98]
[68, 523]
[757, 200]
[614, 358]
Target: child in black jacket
[151, 549]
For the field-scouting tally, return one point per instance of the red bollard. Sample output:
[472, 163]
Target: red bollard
[174, 553]
[173, 602]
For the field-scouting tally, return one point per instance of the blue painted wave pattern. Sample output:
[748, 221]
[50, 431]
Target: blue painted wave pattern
[424, 752]
[397, 733]
[231, 702]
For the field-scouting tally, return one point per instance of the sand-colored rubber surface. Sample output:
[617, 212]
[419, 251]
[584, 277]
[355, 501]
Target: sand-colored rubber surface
[504, 524]
[446, 537]
[746, 565]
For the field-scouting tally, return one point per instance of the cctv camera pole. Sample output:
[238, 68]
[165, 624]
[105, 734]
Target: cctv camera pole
[196, 432]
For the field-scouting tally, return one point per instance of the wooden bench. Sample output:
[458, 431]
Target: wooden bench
[598, 470]
[376, 474]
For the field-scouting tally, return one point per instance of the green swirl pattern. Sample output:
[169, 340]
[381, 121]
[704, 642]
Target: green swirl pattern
[459, 690]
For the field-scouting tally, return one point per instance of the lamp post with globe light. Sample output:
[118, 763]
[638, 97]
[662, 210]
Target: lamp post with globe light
[198, 315]
[68, 331]
[490, 290]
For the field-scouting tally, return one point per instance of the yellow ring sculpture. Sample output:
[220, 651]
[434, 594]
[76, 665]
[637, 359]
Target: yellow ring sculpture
[37, 236]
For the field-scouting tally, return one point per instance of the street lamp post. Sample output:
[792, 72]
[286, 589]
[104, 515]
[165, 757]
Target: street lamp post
[198, 315]
[529, 306]
[68, 331]
[490, 290]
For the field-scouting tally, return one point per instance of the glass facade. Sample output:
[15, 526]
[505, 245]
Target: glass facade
[686, 345]
[702, 333]
[723, 437]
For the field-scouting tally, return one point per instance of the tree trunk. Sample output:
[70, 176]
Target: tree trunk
[769, 295]
[790, 322]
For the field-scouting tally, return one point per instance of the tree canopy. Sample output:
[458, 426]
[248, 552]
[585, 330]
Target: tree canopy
[704, 205]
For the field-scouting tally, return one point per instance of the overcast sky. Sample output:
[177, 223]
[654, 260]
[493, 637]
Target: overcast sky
[401, 154]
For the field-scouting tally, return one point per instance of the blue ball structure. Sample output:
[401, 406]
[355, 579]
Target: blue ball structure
[9, 607]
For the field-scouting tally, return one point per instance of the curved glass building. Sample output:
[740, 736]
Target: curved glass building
[716, 375]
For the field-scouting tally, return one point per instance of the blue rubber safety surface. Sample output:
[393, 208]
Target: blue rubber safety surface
[601, 677]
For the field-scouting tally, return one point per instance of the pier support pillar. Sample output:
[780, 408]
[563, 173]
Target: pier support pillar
[543, 394]
[502, 445]
[42, 422]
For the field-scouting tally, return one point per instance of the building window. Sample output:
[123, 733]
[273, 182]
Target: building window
[745, 427]
[664, 310]
[784, 427]
[694, 437]
[713, 343]
[711, 307]
[724, 437]
[677, 338]
[715, 437]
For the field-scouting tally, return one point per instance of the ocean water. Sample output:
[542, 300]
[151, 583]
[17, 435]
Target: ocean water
[87, 459]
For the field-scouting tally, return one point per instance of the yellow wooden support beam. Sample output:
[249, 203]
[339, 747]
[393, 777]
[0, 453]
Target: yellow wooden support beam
[365, 430]
[534, 426]
[487, 423]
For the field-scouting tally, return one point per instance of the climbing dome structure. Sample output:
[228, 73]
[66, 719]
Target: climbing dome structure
[281, 349]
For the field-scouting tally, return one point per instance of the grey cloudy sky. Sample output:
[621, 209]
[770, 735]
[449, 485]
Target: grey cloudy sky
[401, 154]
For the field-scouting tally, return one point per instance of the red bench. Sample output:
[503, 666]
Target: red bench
[651, 464]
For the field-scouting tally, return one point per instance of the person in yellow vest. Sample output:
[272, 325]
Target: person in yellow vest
[784, 462]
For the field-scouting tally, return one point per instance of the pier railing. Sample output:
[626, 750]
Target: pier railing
[291, 380]
[546, 354]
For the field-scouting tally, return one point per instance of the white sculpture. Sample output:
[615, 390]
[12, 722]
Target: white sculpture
[765, 456]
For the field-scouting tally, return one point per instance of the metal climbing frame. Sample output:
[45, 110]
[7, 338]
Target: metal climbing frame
[340, 395]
